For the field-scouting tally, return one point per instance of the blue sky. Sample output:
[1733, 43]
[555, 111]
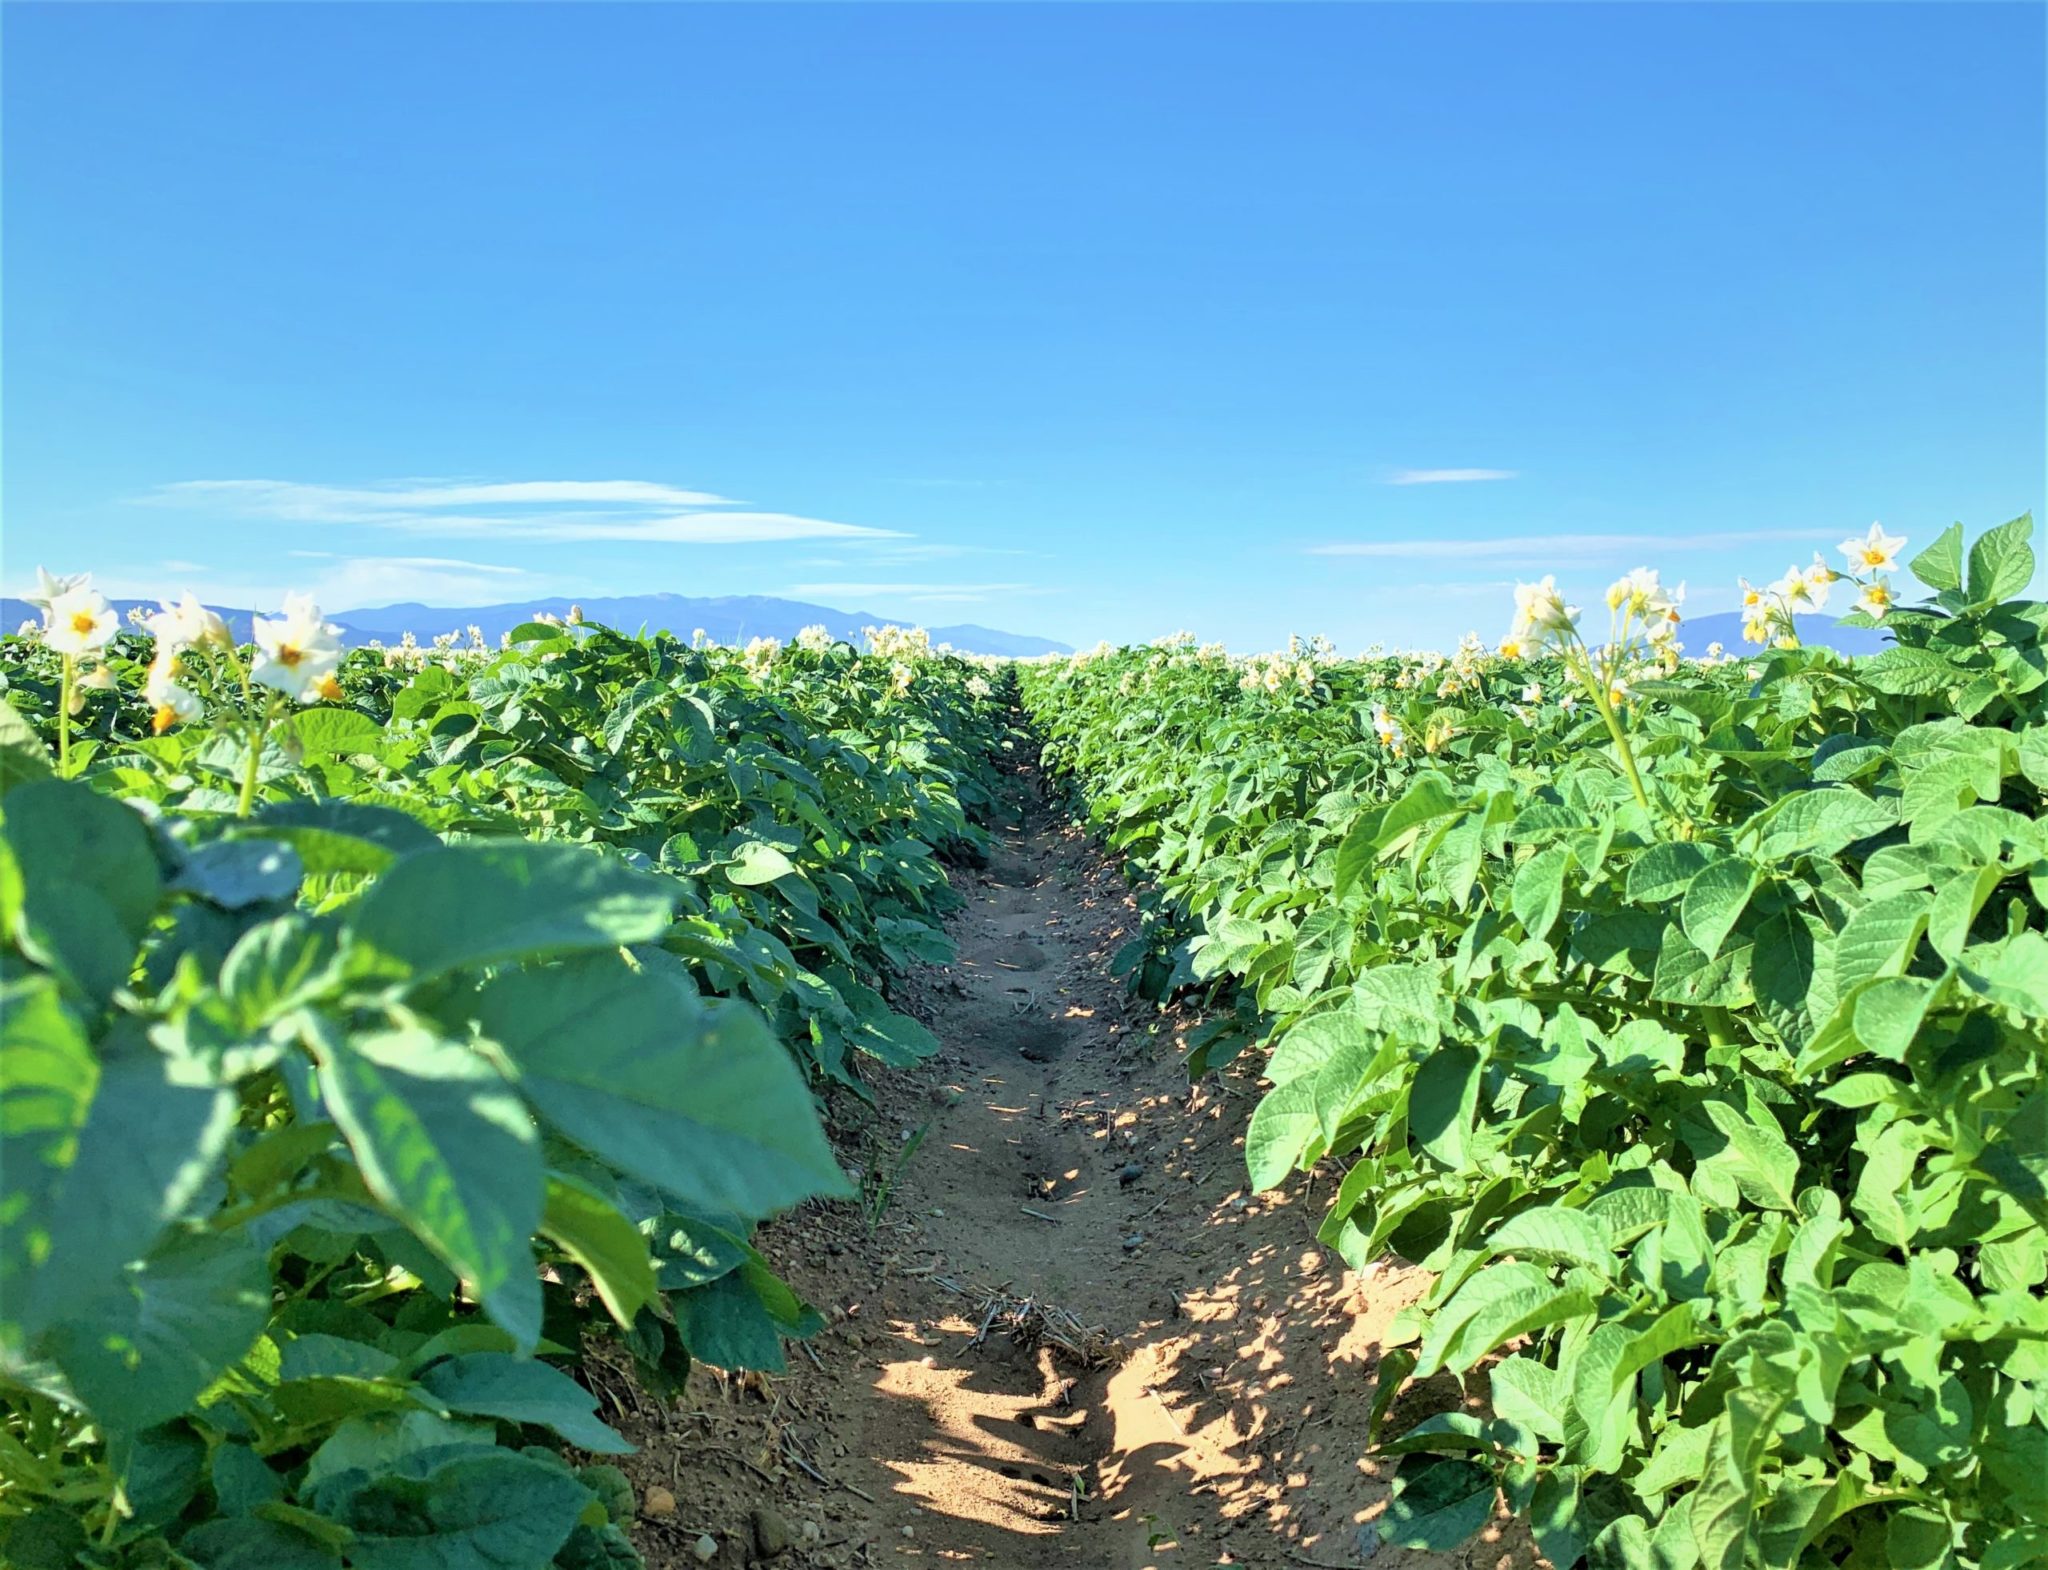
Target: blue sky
[1080, 320]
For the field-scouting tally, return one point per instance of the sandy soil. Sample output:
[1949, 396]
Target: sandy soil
[1071, 1337]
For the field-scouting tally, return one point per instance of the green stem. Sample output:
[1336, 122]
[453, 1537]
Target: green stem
[255, 759]
[116, 1499]
[1596, 683]
[64, 716]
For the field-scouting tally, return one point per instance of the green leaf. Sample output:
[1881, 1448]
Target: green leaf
[487, 1510]
[520, 1390]
[343, 836]
[1539, 889]
[1714, 902]
[1438, 1505]
[1428, 798]
[1665, 871]
[138, 1353]
[724, 1323]
[1442, 1100]
[1879, 939]
[252, 1543]
[1724, 1505]
[23, 757]
[1887, 1015]
[1940, 566]
[378, 1441]
[1909, 672]
[47, 1080]
[2015, 974]
[1755, 1154]
[756, 862]
[589, 1229]
[1526, 1391]
[447, 1144]
[460, 906]
[1553, 1232]
[2002, 561]
[1494, 1306]
[90, 881]
[1357, 851]
[237, 873]
[697, 1098]
[1818, 822]
[331, 731]
[149, 1145]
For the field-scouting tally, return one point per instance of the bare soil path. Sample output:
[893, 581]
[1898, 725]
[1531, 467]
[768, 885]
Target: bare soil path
[1071, 1337]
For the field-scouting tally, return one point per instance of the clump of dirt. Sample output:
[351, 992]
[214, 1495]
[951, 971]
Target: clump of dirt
[1070, 1335]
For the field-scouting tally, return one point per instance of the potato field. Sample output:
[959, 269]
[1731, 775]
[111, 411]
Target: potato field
[386, 1028]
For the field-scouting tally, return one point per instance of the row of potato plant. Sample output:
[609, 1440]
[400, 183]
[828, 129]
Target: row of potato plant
[381, 1026]
[1686, 1018]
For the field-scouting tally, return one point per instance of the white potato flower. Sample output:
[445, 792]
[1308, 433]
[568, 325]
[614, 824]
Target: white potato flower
[1875, 600]
[50, 586]
[1541, 615]
[1533, 693]
[1875, 552]
[78, 619]
[186, 623]
[1797, 591]
[297, 651]
[170, 704]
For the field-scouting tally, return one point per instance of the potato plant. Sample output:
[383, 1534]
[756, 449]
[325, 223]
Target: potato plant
[1688, 1020]
[380, 1028]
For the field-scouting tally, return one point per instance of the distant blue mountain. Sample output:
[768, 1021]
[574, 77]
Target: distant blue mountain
[1725, 628]
[725, 619]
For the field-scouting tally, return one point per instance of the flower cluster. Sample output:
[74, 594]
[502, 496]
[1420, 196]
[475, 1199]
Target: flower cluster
[1275, 672]
[1389, 731]
[978, 687]
[898, 643]
[448, 650]
[816, 638]
[1768, 614]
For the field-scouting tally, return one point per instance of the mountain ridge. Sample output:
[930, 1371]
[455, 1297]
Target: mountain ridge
[727, 618]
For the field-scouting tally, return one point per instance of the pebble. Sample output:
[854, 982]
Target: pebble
[705, 1549]
[910, 1531]
[1132, 1171]
[812, 1532]
[658, 1502]
[1133, 1242]
[771, 1533]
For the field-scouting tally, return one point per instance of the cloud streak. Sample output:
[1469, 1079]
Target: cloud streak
[633, 511]
[1448, 476]
[1554, 550]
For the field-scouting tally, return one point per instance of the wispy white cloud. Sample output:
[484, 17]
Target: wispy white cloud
[539, 510]
[420, 563]
[1448, 476]
[922, 593]
[339, 583]
[1556, 550]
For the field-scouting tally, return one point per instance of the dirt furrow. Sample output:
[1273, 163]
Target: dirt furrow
[1068, 1334]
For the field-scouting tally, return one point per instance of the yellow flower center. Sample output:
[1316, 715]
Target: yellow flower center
[1872, 556]
[289, 655]
[164, 718]
[330, 689]
[82, 623]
